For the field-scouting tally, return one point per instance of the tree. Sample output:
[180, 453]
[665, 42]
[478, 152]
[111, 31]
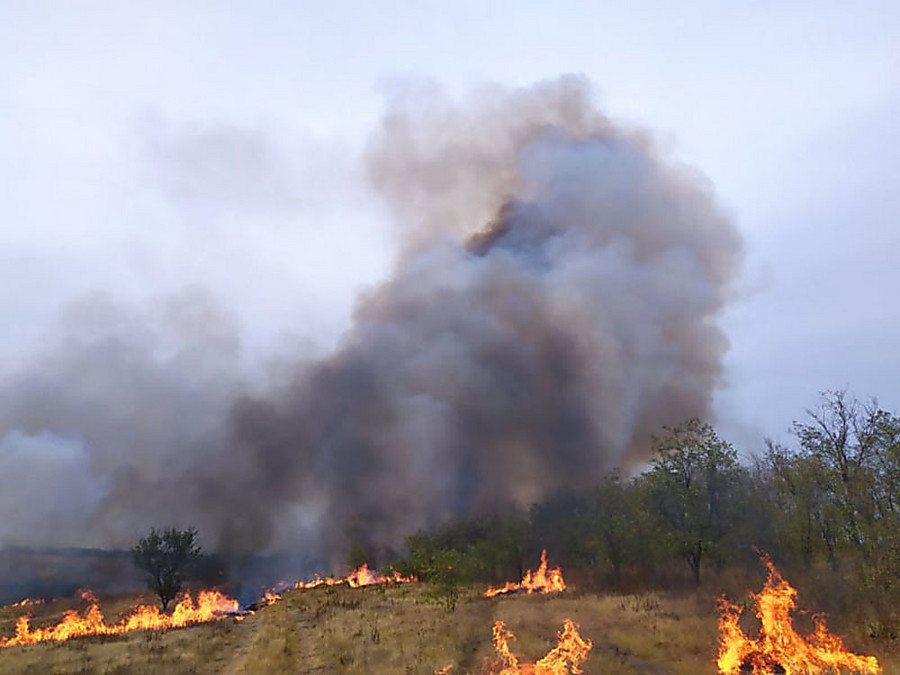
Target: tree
[166, 557]
[444, 575]
[621, 530]
[839, 490]
[856, 447]
[852, 441]
[689, 489]
[804, 503]
[357, 556]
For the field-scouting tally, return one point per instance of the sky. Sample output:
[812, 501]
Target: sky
[149, 147]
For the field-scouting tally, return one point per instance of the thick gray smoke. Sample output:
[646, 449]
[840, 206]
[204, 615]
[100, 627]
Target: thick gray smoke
[555, 302]
[120, 424]
[511, 358]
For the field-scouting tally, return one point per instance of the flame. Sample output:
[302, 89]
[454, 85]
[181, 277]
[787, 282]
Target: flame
[542, 581]
[27, 602]
[571, 649]
[778, 644]
[317, 581]
[269, 598]
[210, 606]
[362, 576]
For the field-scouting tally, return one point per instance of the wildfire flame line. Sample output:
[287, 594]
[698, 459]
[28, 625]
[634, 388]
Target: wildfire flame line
[570, 651]
[26, 602]
[544, 581]
[361, 576]
[778, 643]
[210, 606]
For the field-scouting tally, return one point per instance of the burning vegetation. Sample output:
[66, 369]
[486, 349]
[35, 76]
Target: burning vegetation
[27, 602]
[210, 606]
[570, 651]
[779, 648]
[555, 303]
[542, 581]
[362, 576]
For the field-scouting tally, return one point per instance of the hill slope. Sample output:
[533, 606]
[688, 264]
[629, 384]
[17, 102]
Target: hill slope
[388, 630]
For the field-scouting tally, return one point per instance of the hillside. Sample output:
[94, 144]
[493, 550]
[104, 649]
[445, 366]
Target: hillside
[392, 630]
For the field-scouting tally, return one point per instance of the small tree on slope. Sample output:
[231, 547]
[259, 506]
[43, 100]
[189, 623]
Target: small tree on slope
[166, 557]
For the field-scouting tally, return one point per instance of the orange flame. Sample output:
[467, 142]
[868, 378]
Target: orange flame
[317, 581]
[571, 649]
[210, 606]
[361, 576]
[778, 644]
[27, 602]
[543, 581]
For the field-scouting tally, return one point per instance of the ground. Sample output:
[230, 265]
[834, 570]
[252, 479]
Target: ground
[396, 630]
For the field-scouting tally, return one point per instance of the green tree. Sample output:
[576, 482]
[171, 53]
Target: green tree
[445, 573]
[805, 505]
[166, 557]
[560, 524]
[689, 490]
[621, 531]
[856, 447]
[839, 490]
[357, 556]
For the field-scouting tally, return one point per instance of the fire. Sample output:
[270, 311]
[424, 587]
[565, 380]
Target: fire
[778, 644]
[571, 649]
[269, 598]
[317, 581]
[362, 576]
[543, 581]
[210, 606]
[27, 602]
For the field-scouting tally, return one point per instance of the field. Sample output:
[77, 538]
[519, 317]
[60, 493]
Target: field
[395, 630]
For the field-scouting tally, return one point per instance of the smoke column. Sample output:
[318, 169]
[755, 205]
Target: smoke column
[555, 302]
[554, 306]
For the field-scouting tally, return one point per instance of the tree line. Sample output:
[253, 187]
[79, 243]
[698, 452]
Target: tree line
[826, 508]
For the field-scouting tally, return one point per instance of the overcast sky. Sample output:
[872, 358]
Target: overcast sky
[146, 147]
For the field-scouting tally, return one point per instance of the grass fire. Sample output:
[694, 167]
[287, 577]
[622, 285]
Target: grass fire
[543, 580]
[209, 606]
[455, 395]
[566, 657]
[333, 624]
[779, 648]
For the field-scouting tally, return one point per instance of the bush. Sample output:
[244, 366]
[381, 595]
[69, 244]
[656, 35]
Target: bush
[445, 573]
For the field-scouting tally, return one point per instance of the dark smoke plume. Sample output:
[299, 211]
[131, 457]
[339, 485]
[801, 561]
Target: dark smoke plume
[505, 361]
[554, 303]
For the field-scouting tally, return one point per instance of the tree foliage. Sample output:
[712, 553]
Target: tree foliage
[166, 557]
[690, 490]
[828, 503]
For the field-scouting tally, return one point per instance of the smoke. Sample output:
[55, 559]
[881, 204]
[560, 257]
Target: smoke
[509, 359]
[554, 303]
[119, 423]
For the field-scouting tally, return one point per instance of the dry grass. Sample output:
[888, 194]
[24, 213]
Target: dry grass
[396, 631]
